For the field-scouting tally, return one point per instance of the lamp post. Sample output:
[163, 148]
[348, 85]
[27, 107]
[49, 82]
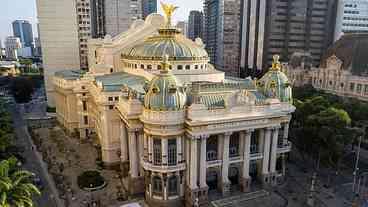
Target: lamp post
[356, 168]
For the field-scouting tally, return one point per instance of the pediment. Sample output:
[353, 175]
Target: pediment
[333, 62]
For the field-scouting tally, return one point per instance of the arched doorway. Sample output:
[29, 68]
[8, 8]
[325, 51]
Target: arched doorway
[234, 175]
[211, 180]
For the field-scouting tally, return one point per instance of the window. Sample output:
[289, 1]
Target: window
[158, 67]
[157, 185]
[234, 145]
[352, 86]
[111, 107]
[172, 151]
[212, 148]
[187, 67]
[85, 119]
[84, 106]
[116, 98]
[180, 67]
[142, 66]
[196, 67]
[111, 70]
[157, 153]
[149, 67]
[359, 88]
[173, 185]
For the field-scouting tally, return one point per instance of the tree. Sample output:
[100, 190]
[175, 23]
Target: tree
[22, 89]
[16, 189]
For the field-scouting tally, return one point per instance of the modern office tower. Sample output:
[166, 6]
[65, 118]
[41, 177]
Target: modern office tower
[23, 30]
[120, 14]
[299, 25]
[59, 39]
[149, 7]
[195, 25]
[83, 8]
[352, 17]
[183, 27]
[12, 44]
[37, 47]
[98, 18]
[222, 32]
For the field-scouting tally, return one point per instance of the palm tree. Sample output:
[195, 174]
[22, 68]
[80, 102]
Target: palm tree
[16, 188]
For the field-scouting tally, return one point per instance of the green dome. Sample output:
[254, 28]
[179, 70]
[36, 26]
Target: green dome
[169, 42]
[163, 94]
[275, 84]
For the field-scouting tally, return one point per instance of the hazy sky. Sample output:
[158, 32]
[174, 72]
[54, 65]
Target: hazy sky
[26, 9]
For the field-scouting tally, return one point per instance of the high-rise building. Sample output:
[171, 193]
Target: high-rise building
[183, 27]
[83, 8]
[120, 14]
[59, 39]
[37, 47]
[352, 17]
[23, 30]
[12, 44]
[98, 18]
[149, 7]
[195, 25]
[222, 31]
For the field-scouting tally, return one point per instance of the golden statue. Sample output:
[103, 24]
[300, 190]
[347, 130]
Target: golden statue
[276, 65]
[168, 10]
[165, 64]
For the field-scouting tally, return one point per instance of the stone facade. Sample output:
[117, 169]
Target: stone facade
[175, 124]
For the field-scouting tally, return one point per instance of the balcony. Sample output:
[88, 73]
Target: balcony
[162, 168]
[284, 148]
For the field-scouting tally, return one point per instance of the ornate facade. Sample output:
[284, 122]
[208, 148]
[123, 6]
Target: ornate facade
[179, 126]
[343, 70]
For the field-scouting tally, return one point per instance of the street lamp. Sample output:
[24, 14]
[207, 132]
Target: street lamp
[356, 168]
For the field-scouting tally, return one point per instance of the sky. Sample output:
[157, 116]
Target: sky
[26, 10]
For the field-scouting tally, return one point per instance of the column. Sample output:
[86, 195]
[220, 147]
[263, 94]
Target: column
[140, 140]
[225, 164]
[266, 151]
[123, 143]
[164, 143]
[286, 133]
[245, 180]
[193, 164]
[145, 147]
[179, 150]
[203, 163]
[275, 136]
[150, 149]
[133, 154]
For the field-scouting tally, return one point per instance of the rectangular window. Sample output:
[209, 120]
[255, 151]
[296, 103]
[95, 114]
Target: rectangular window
[110, 99]
[84, 106]
[352, 86]
[85, 119]
[359, 88]
[172, 151]
[117, 98]
[157, 152]
[111, 107]
[234, 145]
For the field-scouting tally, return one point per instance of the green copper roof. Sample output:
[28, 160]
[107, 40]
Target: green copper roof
[275, 84]
[70, 74]
[164, 94]
[114, 82]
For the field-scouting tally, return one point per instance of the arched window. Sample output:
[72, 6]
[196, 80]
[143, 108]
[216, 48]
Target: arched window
[173, 185]
[149, 67]
[212, 147]
[187, 67]
[158, 67]
[135, 66]
[234, 145]
[172, 151]
[196, 67]
[180, 67]
[157, 152]
[201, 66]
[156, 185]
[142, 66]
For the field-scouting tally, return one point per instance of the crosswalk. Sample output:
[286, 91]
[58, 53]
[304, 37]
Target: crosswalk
[234, 200]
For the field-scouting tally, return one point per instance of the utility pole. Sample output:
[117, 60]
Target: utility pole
[356, 169]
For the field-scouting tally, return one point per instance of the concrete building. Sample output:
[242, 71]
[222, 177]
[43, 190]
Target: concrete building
[183, 27]
[222, 33]
[23, 30]
[25, 52]
[98, 18]
[158, 108]
[352, 17]
[59, 39]
[149, 7]
[120, 14]
[343, 70]
[37, 47]
[12, 44]
[84, 13]
[195, 25]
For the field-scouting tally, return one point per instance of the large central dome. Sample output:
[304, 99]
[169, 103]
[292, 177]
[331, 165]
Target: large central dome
[169, 42]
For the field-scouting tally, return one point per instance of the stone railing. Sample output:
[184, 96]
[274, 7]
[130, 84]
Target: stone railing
[284, 148]
[162, 168]
[163, 117]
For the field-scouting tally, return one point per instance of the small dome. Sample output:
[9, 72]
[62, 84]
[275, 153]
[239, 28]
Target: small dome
[275, 83]
[163, 92]
[169, 42]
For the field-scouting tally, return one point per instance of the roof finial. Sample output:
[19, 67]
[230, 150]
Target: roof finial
[165, 65]
[168, 10]
[276, 65]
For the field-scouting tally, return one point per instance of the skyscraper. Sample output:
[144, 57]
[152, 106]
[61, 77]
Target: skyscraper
[23, 30]
[149, 7]
[98, 18]
[352, 17]
[119, 15]
[12, 44]
[222, 31]
[183, 26]
[195, 24]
